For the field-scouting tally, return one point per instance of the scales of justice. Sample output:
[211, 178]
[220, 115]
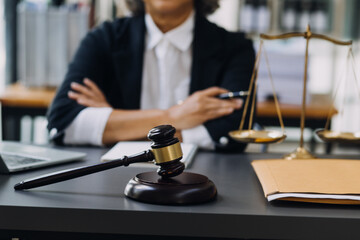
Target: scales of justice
[270, 136]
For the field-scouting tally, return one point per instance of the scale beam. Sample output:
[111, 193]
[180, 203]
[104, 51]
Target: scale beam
[307, 35]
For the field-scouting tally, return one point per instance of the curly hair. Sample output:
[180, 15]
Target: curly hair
[204, 7]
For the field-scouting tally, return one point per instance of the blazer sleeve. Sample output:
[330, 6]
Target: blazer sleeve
[236, 76]
[89, 62]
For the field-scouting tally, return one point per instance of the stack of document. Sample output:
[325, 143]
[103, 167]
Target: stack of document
[333, 181]
[133, 147]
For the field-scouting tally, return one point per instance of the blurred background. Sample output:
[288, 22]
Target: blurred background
[38, 39]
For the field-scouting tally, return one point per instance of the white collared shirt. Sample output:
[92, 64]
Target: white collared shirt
[165, 82]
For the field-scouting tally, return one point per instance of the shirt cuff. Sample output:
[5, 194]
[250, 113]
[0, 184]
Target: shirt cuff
[85, 131]
[199, 136]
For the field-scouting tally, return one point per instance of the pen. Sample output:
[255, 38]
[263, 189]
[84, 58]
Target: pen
[230, 95]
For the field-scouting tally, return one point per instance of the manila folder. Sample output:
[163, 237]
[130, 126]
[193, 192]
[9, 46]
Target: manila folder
[310, 180]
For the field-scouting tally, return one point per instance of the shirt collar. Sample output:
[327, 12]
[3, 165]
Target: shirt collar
[181, 36]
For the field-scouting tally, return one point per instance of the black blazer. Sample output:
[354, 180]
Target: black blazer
[112, 56]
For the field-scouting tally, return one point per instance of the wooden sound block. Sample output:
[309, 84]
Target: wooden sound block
[186, 188]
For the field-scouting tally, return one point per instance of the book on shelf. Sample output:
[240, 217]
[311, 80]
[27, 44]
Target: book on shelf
[133, 147]
[334, 181]
[57, 61]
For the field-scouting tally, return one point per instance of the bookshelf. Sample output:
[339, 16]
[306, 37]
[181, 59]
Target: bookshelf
[48, 36]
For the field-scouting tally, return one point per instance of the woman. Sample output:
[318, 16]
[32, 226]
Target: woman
[164, 65]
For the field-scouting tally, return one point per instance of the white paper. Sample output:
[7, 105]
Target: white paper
[313, 195]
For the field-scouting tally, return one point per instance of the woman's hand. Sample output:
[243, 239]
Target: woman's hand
[88, 94]
[200, 107]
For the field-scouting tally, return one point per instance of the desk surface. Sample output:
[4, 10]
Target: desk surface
[313, 110]
[19, 96]
[96, 204]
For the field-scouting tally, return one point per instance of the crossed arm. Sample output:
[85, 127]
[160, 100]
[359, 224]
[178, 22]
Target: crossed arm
[198, 108]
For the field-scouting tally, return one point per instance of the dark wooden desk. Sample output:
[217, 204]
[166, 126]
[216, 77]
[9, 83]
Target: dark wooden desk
[94, 207]
[18, 101]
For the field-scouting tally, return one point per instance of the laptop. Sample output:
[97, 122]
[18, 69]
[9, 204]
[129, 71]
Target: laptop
[16, 156]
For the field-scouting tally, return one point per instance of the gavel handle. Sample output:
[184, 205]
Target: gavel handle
[64, 175]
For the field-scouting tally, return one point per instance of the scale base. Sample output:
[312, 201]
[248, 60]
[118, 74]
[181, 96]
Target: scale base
[187, 188]
[299, 153]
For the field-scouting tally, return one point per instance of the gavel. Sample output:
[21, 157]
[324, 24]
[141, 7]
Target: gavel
[165, 150]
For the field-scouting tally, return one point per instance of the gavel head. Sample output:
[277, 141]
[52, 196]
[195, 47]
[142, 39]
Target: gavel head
[167, 151]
